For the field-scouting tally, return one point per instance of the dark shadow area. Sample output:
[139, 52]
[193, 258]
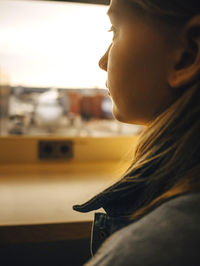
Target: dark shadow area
[68, 253]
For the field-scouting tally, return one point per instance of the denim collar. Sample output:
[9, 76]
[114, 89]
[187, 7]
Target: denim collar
[122, 205]
[121, 199]
[118, 204]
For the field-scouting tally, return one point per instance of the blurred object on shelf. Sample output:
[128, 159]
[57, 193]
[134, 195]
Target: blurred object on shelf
[21, 109]
[97, 105]
[74, 102]
[4, 102]
[49, 110]
[91, 105]
[106, 106]
[17, 126]
[64, 112]
[86, 107]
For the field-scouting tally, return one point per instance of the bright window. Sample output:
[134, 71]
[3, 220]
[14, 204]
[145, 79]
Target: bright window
[46, 43]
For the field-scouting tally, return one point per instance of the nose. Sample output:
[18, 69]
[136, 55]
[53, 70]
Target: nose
[103, 62]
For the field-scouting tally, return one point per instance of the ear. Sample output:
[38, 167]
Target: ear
[187, 65]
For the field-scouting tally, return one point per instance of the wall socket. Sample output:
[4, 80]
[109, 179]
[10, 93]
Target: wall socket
[51, 150]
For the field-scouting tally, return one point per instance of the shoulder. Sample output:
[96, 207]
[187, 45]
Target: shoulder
[168, 235]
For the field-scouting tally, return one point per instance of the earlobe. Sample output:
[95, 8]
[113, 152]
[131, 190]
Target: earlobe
[179, 78]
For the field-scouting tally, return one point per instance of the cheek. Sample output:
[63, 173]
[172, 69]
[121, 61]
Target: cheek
[137, 61]
[137, 69]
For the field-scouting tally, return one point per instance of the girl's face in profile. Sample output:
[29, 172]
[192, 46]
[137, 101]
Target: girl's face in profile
[138, 62]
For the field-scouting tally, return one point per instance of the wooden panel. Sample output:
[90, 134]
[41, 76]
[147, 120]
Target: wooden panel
[45, 232]
[24, 149]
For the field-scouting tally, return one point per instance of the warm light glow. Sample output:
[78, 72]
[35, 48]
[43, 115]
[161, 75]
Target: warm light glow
[53, 43]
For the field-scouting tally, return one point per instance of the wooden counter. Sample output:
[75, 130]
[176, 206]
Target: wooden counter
[38, 194]
[37, 223]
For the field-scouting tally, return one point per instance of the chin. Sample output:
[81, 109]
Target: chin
[124, 119]
[118, 116]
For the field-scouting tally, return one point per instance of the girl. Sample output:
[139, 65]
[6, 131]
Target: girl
[152, 214]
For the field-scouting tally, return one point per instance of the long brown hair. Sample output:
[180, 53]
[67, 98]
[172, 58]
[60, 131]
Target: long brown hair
[167, 156]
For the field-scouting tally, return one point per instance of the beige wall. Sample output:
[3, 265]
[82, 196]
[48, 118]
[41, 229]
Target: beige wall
[25, 149]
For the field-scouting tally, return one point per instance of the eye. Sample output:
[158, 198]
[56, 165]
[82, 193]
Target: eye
[112, 29]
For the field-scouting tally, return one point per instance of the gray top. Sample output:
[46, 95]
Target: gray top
[167, 236]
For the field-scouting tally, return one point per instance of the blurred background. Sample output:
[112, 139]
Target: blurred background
[60, 144]
[50, 81]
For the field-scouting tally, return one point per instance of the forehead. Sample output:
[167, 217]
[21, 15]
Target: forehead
[117, 7]
[128, 8]
[116, 4]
